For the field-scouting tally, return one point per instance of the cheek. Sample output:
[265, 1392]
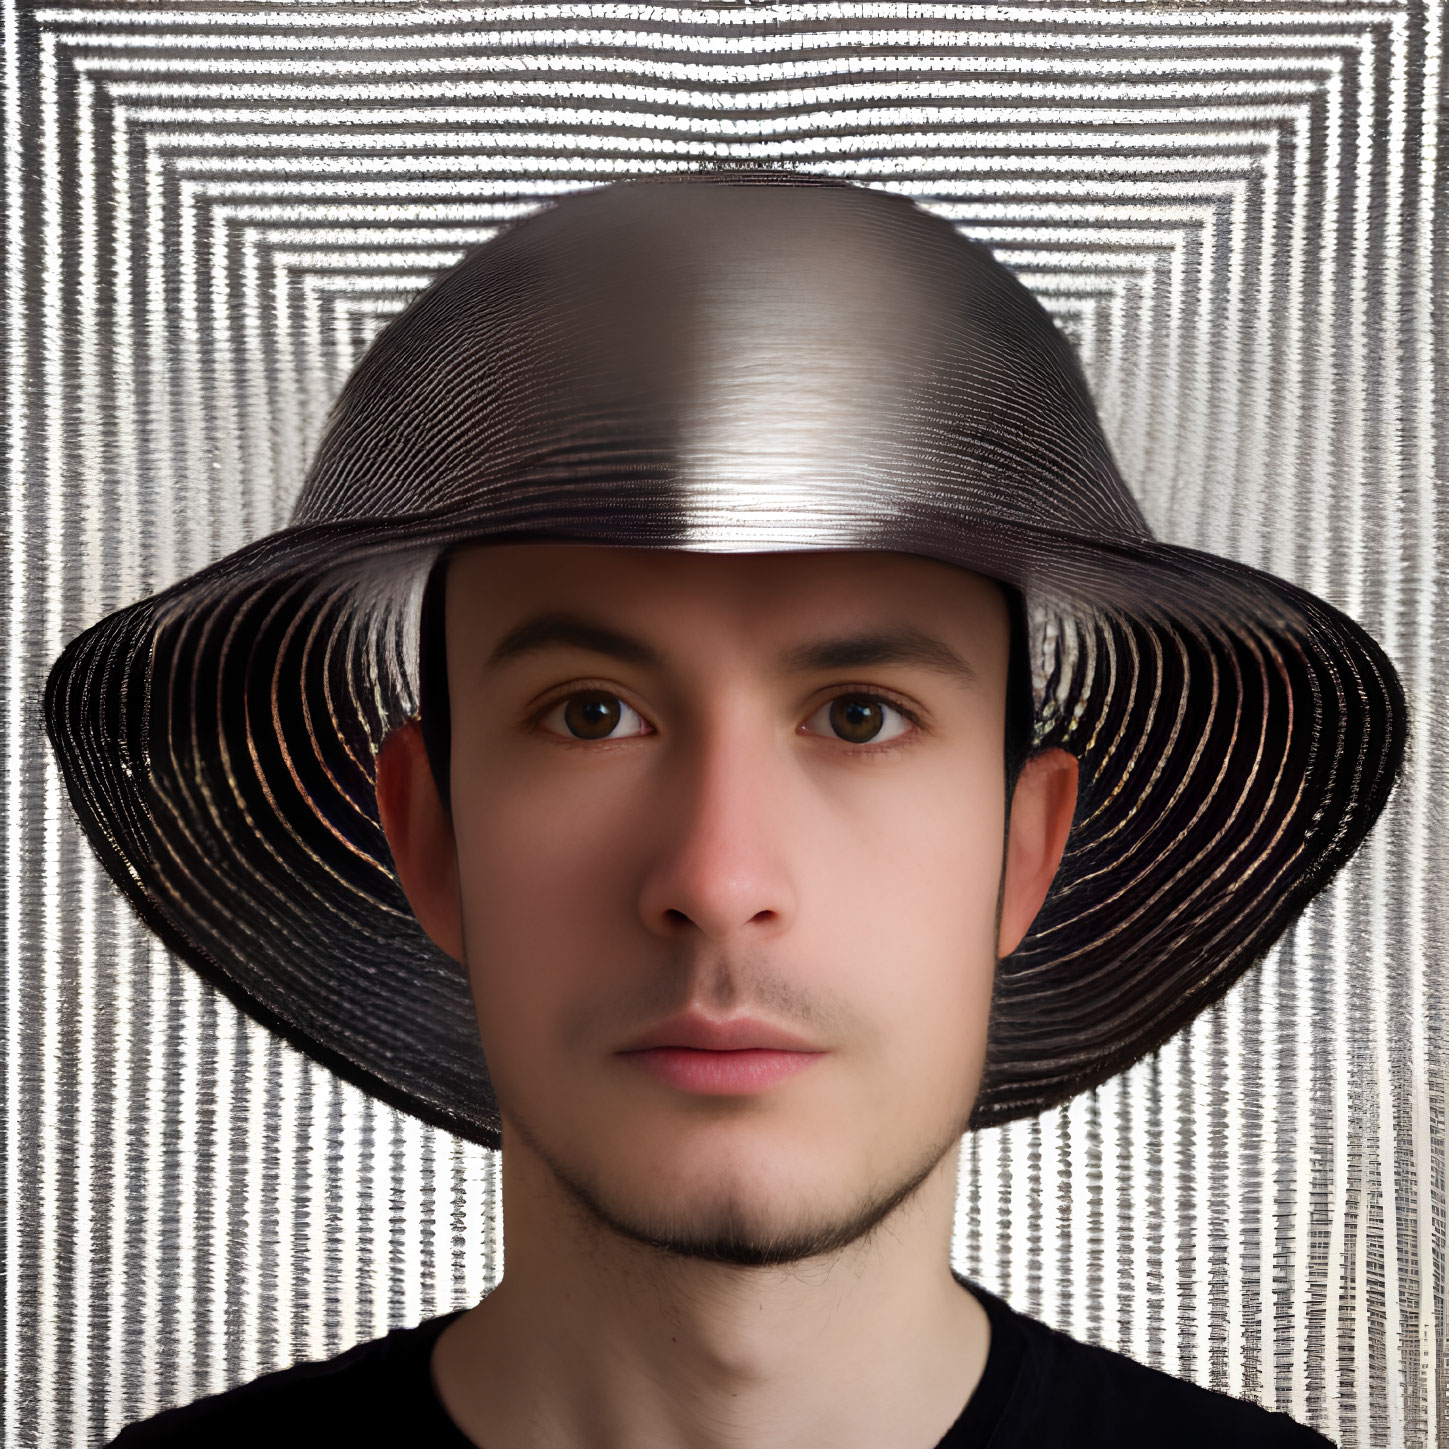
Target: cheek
[908, 900]
[547, 889]
[539, 858]
[918, 852]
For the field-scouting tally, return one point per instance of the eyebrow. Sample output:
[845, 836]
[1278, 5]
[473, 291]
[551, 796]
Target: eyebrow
[550, 631]
[896, 646]
[856, 651]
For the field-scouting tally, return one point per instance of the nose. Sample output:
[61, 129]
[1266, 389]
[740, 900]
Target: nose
[720, 864]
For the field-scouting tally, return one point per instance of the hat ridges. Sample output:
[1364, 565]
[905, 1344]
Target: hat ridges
[1237, 737]
[263, 864]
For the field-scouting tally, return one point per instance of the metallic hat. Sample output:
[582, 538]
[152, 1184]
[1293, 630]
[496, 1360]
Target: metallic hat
[736, 361]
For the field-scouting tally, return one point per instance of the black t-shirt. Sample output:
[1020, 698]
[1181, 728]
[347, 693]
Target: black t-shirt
[1039, 1390]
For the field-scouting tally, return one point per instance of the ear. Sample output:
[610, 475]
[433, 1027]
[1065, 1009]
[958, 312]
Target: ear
[1041, 817]
[420, 836]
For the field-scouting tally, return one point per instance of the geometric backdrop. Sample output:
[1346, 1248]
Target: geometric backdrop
[1238, 214]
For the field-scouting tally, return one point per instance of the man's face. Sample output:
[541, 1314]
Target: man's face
[694, 789]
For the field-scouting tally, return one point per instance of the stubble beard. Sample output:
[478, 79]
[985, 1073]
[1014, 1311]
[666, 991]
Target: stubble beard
[729, 1231]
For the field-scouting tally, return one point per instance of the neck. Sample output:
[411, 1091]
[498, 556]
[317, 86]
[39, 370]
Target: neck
[592, 1339]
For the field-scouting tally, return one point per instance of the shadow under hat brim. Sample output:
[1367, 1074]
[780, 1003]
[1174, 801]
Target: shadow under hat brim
[1237, 738]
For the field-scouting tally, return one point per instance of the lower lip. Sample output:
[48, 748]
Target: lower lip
[721, 1073]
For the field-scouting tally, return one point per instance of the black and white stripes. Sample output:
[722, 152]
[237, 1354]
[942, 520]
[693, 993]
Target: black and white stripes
[1237, 215]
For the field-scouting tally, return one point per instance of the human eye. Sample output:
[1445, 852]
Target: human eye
[860, 719]
[593, 714]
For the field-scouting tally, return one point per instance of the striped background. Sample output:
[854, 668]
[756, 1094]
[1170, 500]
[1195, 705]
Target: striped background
[1239, 216]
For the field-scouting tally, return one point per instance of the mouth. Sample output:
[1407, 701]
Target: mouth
[721, 1058]
[721, 1074]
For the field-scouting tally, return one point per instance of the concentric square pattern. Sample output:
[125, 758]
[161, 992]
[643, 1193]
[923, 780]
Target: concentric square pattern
[1238, 216]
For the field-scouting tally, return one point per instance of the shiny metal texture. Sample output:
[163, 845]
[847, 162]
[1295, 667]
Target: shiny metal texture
[725, 360]
[1231, 212]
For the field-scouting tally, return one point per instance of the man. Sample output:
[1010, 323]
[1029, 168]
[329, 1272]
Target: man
[728, 850]
[726, 816]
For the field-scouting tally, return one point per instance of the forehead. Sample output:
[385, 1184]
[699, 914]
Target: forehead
[501, 581]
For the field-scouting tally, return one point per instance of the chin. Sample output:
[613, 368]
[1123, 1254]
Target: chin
[728, 1222]
[711, 1192]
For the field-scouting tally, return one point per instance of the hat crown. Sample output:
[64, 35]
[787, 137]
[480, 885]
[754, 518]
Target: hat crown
[714, 358]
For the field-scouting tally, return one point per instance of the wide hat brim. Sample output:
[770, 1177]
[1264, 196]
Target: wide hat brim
[1237, 736]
